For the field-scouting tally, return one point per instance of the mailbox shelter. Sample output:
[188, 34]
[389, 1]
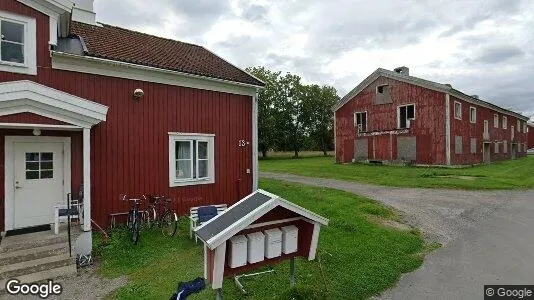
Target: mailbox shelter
[261, 229]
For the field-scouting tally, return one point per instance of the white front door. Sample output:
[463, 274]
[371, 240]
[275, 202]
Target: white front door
[38, 182]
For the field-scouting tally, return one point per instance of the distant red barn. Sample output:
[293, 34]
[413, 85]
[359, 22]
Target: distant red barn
[530, 130]
[394, 117]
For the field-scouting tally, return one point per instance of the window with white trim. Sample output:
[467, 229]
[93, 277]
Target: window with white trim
[496, 147]
[18, 40]
[518, 126]
[405, 114]
[360, 121]
[457, 110]
[496, 120]
[504, 122]
[525, 127]
[191, 159]
[505, 147]
[472, 114]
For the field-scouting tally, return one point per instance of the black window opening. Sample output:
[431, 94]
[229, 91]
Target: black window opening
[381, 88]
[406, 113]
[361, 122]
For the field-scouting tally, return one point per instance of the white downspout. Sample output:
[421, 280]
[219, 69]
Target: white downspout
[255, 142]
[447, 130]
[87, 179]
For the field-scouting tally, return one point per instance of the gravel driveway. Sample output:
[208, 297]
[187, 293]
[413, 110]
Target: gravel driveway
[487, 236]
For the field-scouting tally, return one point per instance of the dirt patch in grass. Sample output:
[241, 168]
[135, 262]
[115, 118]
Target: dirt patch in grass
[389, 223]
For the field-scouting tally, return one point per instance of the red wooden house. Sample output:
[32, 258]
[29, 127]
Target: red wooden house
[114, 111]
[394, 117]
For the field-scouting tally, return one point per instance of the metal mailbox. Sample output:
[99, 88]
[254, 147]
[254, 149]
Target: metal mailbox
[256, 247]
[238, 251]
[273, 243]
[289, 239]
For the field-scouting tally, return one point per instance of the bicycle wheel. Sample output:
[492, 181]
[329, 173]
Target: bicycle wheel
[150, 216]
[135, 228]
[129, 221]
[169, 223]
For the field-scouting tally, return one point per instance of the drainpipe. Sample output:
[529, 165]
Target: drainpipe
[447, 130]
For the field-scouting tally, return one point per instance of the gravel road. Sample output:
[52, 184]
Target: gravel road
[486, 236]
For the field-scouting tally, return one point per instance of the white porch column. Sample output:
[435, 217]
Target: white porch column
[87, 179]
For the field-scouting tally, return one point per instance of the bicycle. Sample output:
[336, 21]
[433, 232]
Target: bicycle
[134, 218]
[158, 211]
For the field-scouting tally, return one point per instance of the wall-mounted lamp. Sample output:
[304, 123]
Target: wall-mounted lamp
[37, 132]
[138, 94]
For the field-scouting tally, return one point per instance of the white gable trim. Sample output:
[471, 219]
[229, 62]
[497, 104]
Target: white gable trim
[28, 96]
[112, 68]
[257, 213]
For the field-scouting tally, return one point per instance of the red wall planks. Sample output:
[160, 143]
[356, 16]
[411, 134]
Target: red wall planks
[530, 137]
[29, 118]
[467, 130]
[129, 152]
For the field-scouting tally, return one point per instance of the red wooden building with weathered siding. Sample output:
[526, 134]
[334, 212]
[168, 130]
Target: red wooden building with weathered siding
[530, 131]
[117, 111]
[394, 117]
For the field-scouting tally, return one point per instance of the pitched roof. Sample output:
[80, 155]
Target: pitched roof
[238, 216]
[440, 87]
[119, 44]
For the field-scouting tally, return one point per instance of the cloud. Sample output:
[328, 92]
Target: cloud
[481, 47]
[499, 54]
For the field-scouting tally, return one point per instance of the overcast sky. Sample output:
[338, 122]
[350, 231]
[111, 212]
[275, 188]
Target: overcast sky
[481, 47]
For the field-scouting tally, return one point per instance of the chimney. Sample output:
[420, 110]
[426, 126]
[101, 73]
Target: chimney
[402, 70]
[475, 96]
[83, 11]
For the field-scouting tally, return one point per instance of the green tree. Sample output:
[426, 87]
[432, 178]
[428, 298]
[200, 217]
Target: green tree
[267, 97]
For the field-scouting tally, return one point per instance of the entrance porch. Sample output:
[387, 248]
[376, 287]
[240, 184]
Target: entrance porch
[46, 135]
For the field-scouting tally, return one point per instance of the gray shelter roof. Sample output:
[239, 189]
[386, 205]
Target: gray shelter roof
[240, 215]
[445, 88]
[235, 212]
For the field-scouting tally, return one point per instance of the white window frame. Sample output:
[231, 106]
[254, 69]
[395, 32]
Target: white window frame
[30, 45]
[398, 115]
[495, 120]
[471, 119]
[496, 150]
[505, 147]
[456, 116]
[518, 126]
[356, 122]
[525, 127]
[189, 137]
[504, 122]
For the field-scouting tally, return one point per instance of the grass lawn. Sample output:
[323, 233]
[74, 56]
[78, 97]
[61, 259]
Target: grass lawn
[358, 256]
[510, 174]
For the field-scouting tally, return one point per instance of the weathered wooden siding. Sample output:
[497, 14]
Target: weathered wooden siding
[428, 126]
[467, 130]
[530, 137]
[129, 152]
